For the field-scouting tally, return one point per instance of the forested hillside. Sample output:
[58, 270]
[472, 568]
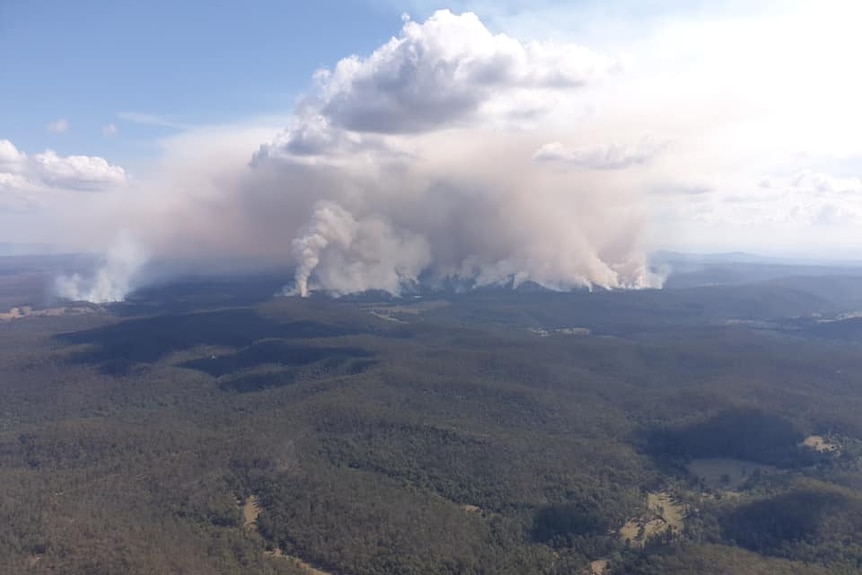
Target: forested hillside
[677, 431]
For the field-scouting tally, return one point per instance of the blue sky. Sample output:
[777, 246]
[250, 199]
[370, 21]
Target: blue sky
[94, 63]
[554, 141]
[191, 62]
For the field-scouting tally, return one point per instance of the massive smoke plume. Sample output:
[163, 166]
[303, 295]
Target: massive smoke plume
[421, 161]
[455, 156]
[476, 211]
[427, 161]
[352, 256]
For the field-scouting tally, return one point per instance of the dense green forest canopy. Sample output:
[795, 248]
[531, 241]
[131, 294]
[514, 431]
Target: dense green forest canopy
[206, 427]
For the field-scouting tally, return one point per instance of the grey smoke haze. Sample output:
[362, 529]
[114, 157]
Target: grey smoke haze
[464, 203]
[418, 160]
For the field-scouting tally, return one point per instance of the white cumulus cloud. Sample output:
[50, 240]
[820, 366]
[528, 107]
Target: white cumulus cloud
[49, 169]
[11, 160]
[29, 183]
[77, 172]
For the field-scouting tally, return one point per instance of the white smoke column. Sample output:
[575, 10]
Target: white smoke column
[112, 281]
[330, 224]
[351, 255]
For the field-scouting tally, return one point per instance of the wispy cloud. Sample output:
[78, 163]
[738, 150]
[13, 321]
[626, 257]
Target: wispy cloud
[59, 126]
[110, 130]
[602, 156]
[150, 120]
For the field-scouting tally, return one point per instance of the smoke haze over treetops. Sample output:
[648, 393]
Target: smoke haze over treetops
[114, 279]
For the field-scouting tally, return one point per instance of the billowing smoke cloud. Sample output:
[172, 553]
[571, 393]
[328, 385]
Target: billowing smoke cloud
[414, 164]
[418, 161]
[115, 277]
[461, 207]
[353, 256]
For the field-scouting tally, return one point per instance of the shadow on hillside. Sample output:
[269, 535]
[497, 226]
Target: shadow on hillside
[744, 433]
[118, 348]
